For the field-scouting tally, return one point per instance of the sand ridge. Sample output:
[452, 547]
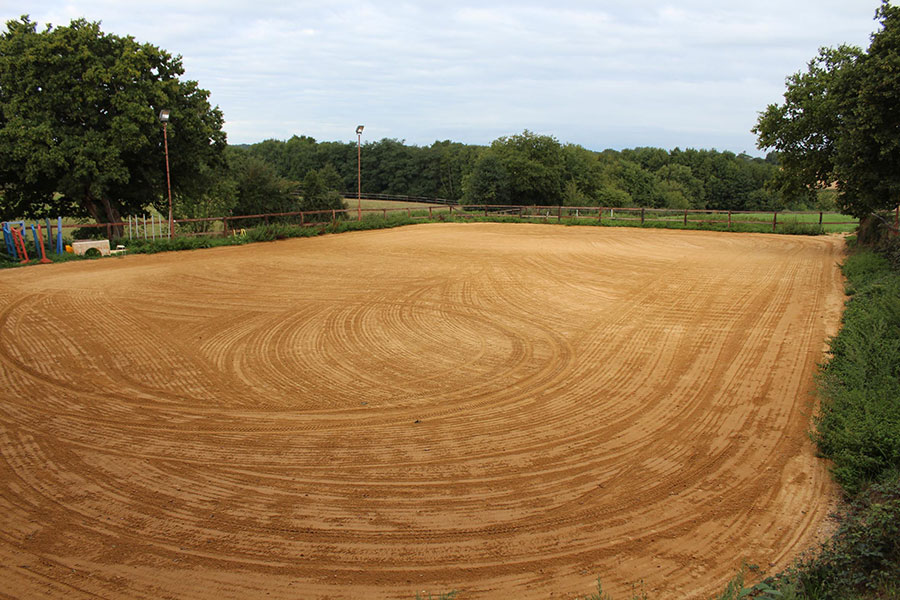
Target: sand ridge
[502, 409]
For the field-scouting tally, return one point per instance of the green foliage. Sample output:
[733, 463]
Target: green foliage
[795, 228]
[519, 169]
[734, 589]
[488, 183]
[839, 122]
[859, 423]
[860, 561]
[638, 183]
[79, 133]
[317, 196]
[265, 233]
[804, 129]
[218, 199]
[528, 168]
[598, 595]
[258, 188]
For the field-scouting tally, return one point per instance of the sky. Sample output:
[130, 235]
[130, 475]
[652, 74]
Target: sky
[601, 74]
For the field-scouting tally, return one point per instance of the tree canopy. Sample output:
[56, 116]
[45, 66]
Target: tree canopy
[839, 122]
[536, 169]
[79, 133]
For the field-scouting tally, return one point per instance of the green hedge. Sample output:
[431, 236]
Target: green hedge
[859, 423]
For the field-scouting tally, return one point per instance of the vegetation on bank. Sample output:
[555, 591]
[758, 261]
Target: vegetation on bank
[792, 225]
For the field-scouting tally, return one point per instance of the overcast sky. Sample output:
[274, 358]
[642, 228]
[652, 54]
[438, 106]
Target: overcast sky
[602, 74]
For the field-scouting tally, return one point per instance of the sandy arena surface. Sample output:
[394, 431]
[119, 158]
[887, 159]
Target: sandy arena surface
[509, 411]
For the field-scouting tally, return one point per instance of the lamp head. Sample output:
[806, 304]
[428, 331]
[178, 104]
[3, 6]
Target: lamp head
[164, 115]
[359, 129]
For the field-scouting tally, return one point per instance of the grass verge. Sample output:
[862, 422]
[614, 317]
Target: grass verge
[408, 217]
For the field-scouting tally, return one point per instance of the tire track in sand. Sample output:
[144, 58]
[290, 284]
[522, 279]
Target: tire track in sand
[498, 409]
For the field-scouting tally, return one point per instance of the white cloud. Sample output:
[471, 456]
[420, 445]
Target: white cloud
[688, 73]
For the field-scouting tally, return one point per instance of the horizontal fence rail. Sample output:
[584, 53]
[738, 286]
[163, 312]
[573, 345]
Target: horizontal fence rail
[153, 227]
[400, 198]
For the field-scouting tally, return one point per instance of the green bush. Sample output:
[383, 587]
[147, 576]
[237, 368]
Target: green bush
[858, 426]
[861, 560]
[795, 228]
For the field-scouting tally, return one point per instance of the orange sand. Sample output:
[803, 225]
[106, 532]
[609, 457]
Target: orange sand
[505, 410]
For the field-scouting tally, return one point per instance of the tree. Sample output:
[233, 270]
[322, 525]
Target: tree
[78, 124]
[806, 127]
[216, 200]
[535, 166]
[839, 123]
[259, 188]
[520, 169]
[319, 195]
[679, 185]
[867, 155]
[641, 185]
[488, 182]
[584, 171]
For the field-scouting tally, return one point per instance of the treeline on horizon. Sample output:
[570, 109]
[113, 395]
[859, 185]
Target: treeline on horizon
[531, 169]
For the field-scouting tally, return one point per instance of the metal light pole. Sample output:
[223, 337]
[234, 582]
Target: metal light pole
[164, 119]
[359, 130]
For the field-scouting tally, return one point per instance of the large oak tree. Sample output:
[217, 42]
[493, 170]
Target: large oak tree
[839, 123]
[79, 133]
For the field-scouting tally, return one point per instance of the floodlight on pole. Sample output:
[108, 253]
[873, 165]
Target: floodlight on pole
[164, 119]
[359, 130]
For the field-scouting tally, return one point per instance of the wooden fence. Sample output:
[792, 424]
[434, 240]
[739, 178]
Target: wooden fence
[151, 227]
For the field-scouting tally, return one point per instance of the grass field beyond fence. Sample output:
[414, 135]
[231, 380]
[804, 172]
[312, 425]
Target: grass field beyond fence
[141, 233]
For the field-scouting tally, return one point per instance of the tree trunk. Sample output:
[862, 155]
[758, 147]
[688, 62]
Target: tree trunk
[104, 212]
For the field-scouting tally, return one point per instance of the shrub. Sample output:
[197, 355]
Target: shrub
[861, 560]
[859, 421]
[795, 228]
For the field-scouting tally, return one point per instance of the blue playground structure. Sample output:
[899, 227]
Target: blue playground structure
[9, 241]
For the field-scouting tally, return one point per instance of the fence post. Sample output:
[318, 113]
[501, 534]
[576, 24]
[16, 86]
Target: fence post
[559, 213]
[485, 211]
[600, 214]
[685, 217]
[820, 218]
[333, 217]
[109, 231]
[429, 213]
[774, 221]
[642, 215]
[224, 226]
[729, 219]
